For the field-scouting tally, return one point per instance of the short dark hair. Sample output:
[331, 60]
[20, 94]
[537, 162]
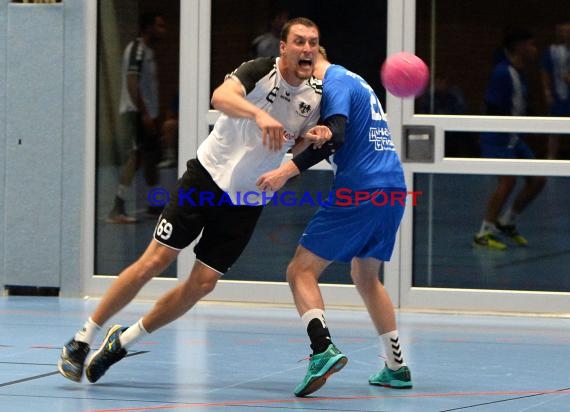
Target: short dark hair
[148, 19]
[297, 20]
[278, 13]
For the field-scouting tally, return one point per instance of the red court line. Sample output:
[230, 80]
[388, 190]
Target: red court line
[317, 399]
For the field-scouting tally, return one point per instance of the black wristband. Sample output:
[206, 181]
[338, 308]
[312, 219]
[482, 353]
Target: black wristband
[311, 156]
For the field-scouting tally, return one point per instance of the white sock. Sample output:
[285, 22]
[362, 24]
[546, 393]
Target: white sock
[87, 334]
[122, 191]
[394, 357]
[508, 218]
[487, 227]
[133, 334]
[311, 314]
[169, 153]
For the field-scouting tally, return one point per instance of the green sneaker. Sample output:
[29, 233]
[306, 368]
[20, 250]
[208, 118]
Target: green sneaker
[399, 379]
[489, 241]
[321, 366]
[512, 233]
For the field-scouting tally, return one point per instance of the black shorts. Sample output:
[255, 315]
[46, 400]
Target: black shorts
[226, 229]
[141, 141]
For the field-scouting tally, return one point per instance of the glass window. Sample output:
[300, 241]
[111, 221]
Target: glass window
[496, 58]
[137, 126]
[235, 29]
[449, 216]
[496, 145]
[471, 38]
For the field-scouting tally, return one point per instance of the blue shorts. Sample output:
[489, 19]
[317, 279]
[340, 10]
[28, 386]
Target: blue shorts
[560, 108]
[490, 149]
[341, 233]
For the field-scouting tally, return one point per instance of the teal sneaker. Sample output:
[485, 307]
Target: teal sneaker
[399, 379]
[321, 366]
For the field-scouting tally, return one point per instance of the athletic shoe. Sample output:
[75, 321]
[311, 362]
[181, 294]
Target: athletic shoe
[321, 366]
[109, 353]
[398, 379]
[167, 163]
[70, 363]
[120, 219]
[489, 240]
[118, 215]
[512, 233]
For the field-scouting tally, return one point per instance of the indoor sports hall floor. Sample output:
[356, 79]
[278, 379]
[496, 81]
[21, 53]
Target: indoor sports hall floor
[222, 357]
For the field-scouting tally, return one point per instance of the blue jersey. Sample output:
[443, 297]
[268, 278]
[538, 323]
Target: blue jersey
[507, 91]
[368, 158]
[506, 95]
[556, 63]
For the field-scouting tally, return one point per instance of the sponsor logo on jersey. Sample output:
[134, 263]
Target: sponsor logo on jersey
[290, 137]
[381, 138]
[286, 96]
[316, 84]
[304, 109]
[272, 94]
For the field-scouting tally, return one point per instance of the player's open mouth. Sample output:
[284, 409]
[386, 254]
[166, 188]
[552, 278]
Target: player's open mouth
[305, 63]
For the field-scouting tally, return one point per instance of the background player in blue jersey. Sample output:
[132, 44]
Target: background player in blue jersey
[364, 159]
[555, 75]
[507, 95]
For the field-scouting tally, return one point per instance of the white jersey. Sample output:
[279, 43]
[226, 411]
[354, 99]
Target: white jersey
[138, 59]
[233, 153]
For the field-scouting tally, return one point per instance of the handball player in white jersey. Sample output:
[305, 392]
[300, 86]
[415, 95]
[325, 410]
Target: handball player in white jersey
[268, 105]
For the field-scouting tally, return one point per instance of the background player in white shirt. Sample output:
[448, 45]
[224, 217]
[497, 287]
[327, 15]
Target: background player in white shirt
[139, 109]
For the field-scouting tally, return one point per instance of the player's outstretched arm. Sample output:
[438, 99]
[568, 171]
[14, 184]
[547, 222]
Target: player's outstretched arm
[229, 99]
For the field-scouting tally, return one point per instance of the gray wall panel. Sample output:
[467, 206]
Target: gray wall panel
[34, 117]
[3, 32]
[74, 142]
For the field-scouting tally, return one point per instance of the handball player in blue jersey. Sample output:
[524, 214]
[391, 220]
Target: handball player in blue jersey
[507, 95]
[359, 231]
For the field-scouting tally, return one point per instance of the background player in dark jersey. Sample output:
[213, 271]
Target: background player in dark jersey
[268, 43]
[364, 159]
[140, 108]
[267, 105]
